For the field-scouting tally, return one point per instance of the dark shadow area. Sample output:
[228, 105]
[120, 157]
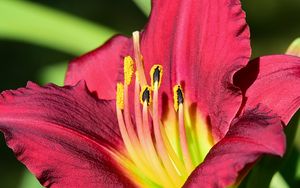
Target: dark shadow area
[274, 24]
[11, 170]
[21, 62]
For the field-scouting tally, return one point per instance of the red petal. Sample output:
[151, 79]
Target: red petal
[60, 134]
[100, 68]
[273, 81]
[201, 44]
[257, 132]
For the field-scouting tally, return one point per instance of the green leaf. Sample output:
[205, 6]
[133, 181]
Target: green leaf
[297, 175]
[294, 48]
[278, 182]
[290, 169]
[33, 23]
[29, 180]
[54, 74]
[144, 5]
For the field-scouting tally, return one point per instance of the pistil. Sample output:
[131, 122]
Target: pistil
[138, 58]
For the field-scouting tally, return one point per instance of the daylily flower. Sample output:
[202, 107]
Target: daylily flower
[175, 105]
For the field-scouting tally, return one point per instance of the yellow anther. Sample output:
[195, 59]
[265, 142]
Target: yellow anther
[177, 96]
[156, 73]
[145, 95]
[120, 96]
[128, 69]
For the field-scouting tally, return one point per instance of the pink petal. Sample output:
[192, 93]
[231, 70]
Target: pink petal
[100, 68]
[273, 81]
[258, 131]
[61, 134]
[201, 44]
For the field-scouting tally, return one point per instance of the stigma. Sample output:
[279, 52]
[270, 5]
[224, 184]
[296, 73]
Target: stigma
[151, 158]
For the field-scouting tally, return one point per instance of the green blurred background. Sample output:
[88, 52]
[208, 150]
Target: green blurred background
[38, 38]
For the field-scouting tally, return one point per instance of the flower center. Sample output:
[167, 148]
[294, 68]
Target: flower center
[153, 156]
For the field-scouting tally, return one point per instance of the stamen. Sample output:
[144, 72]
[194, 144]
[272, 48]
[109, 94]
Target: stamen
[152, 155]
[130, 128]
[129, 145]
[144, 135]
[128, 69]
[156, 75]
[178, 105]
[145, 98]
[161, 148]
[127, 117]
